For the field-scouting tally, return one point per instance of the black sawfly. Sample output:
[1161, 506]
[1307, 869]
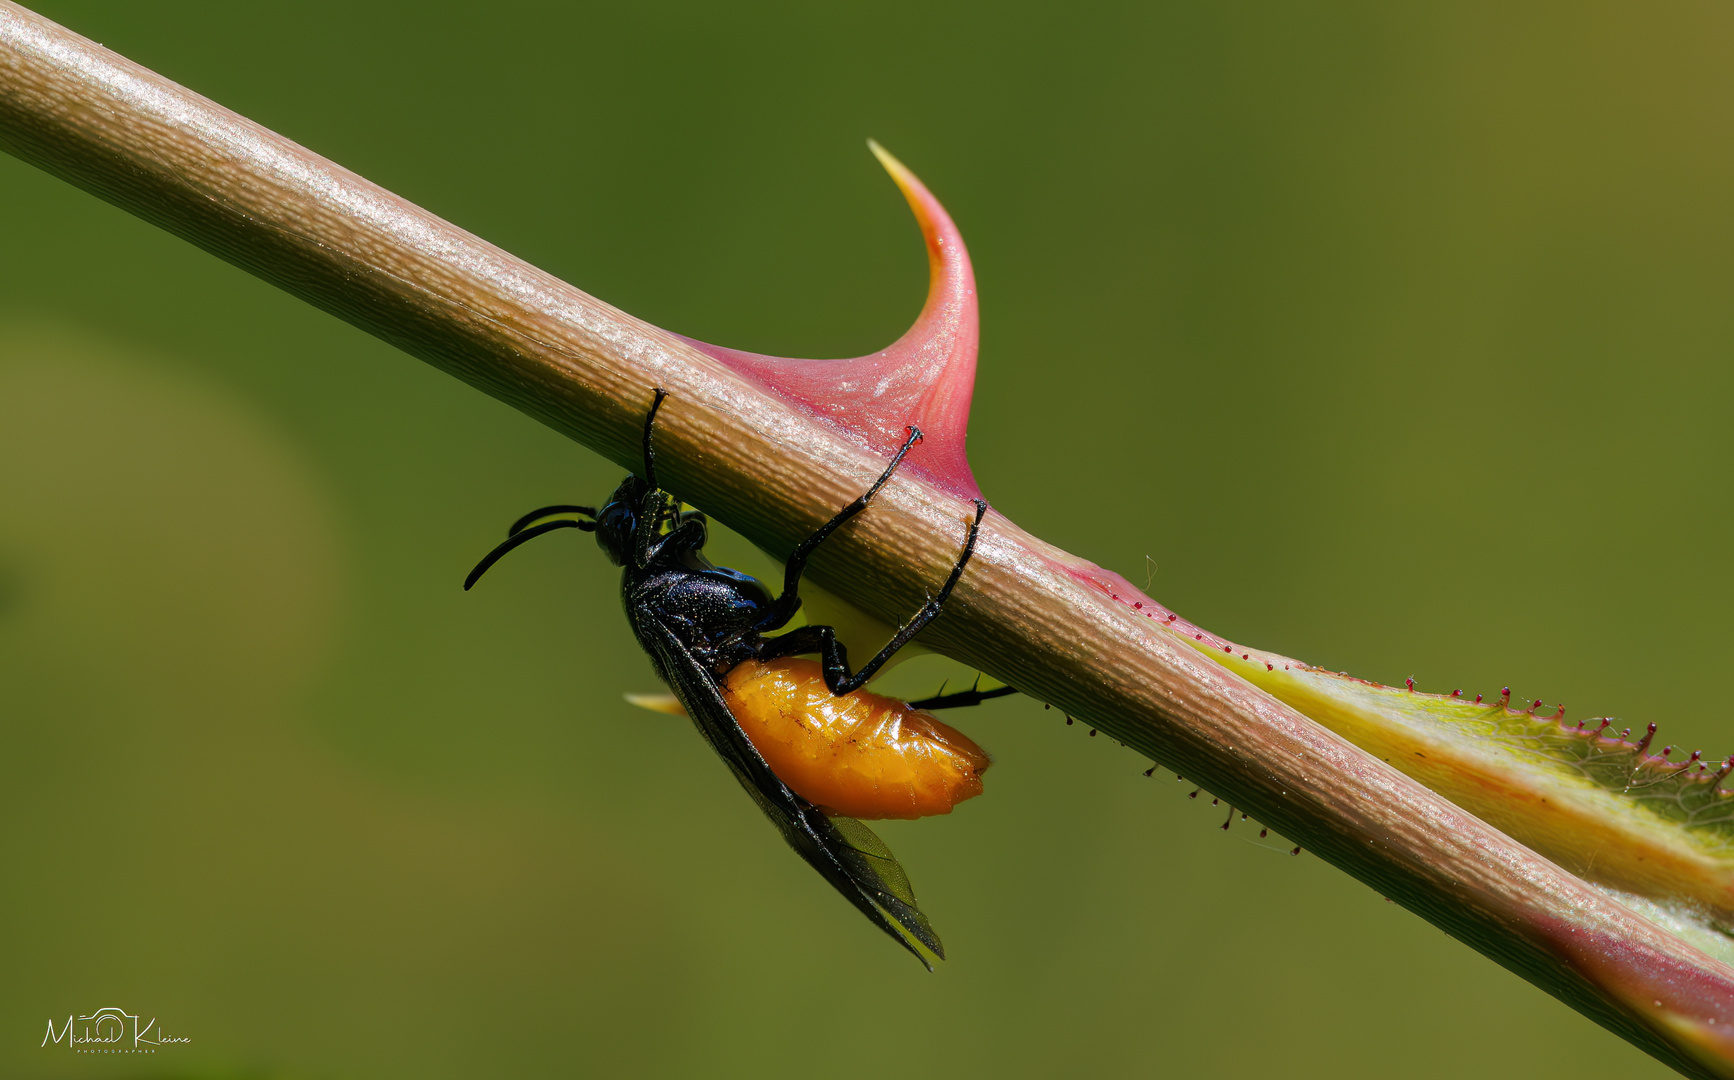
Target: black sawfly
[698, 621]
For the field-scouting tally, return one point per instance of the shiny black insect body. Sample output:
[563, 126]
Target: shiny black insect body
[698, 620]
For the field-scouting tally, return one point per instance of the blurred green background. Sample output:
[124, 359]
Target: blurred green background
[1393, 338]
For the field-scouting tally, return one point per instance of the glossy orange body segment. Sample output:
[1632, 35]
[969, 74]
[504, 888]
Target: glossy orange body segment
[863, 754]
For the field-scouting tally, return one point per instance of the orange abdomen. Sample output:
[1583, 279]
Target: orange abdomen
[862, 754]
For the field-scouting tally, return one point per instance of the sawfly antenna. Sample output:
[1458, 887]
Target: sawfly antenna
[522, 536]
[548, 511]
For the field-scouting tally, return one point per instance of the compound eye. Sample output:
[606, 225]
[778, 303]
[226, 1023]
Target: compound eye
[614, 528]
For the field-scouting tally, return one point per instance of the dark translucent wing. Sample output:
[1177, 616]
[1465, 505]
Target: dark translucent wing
[845, 852]
[910, 926]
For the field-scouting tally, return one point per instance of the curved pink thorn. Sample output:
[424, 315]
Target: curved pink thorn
[925, 378]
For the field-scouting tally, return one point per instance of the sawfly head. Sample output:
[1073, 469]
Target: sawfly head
[617, 522]
[812, 748]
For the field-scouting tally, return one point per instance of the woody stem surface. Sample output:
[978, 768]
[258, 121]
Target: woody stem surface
[588, 370]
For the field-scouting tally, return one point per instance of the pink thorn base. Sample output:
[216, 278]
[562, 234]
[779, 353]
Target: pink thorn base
[925, 378]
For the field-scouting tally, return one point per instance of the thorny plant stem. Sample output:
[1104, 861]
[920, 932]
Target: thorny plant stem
[330, 237]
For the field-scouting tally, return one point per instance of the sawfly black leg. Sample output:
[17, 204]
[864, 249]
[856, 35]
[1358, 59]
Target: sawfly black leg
[689, 532]
[834, 659]
[650, 438]
[653, 505]
[807, 641]
[961, 699]
[784, 607]
[647, 526]
[690, 526]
